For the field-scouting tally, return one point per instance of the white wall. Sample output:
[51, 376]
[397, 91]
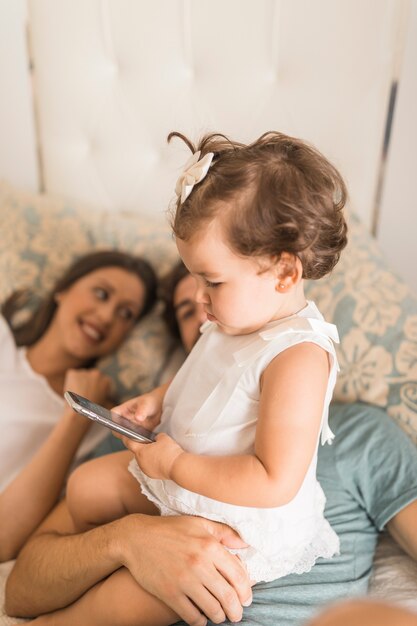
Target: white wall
[18, 154]
[397, 229]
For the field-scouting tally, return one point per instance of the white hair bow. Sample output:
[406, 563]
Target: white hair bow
[194, 172]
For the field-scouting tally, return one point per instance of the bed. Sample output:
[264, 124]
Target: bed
[112, 78]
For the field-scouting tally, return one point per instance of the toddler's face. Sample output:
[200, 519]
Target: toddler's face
[234, 293]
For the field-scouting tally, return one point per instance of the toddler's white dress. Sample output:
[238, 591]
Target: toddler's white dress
[211, 407]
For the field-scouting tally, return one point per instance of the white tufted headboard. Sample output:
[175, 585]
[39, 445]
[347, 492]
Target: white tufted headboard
[113, 77]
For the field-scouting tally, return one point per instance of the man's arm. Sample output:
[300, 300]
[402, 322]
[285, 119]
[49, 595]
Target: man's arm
[172, 558]
[60, 565]
[403, 528]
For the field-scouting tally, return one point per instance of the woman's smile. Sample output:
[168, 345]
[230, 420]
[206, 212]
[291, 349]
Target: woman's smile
[93, 332]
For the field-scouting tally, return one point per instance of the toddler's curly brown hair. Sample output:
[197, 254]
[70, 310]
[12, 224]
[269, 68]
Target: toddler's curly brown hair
[277, 194]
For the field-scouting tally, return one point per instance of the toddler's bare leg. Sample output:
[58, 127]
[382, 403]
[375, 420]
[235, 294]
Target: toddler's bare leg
[103, 490]
[117, 600]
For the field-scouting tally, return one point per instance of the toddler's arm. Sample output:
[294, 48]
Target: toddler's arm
[293, 391]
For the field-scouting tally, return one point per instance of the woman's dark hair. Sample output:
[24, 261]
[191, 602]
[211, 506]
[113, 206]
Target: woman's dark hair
[277, 194]
[168, 286]
[27, 333]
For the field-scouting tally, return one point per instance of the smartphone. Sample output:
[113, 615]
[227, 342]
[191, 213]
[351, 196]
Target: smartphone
[107, 418]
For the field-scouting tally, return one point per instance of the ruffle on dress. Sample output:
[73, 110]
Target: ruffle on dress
[272, 553]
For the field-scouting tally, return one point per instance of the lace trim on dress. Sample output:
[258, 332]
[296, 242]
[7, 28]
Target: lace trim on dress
[325, 544]
[274, 561]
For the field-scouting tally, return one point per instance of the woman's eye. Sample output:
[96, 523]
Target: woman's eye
[127, 314]
[101, 293]
[212, 285]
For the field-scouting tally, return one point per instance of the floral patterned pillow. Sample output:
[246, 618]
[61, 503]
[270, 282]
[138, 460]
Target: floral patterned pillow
[40, 236]
[375, 312]
[376, 315]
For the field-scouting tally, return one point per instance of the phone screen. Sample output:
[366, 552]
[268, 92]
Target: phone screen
[108, 418]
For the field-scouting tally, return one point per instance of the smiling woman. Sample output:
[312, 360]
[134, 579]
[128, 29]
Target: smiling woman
[87, 315]
[92, 318]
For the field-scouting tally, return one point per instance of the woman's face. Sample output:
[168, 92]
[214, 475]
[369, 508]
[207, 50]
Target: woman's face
[96, 313]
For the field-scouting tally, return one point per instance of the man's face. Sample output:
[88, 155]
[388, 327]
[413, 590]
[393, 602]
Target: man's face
[189, 313]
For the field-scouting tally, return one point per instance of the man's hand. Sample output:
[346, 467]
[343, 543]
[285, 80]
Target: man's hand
[180, 560]
[183, 562]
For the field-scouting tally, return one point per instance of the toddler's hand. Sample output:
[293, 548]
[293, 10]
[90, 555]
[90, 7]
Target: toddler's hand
[145, 410]
[155, 459]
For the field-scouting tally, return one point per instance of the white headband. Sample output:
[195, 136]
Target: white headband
[194, 172]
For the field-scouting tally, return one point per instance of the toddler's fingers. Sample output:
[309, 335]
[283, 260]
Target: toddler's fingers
[143, 411]
[125, 411]
[133, 446]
